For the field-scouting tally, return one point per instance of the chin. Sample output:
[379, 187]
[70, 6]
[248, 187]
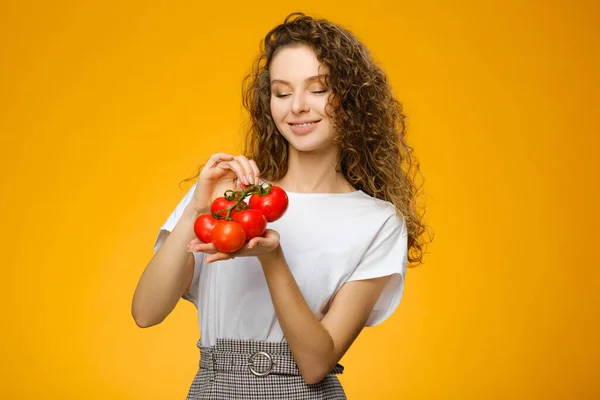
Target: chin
[314, 142]
[311, 146]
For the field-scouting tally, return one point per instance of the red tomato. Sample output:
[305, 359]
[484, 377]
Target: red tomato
[253, 222]
[272, 205]
[220, 203]
[203, 227]
[228, 236]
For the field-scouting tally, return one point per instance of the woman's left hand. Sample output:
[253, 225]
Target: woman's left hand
[258, 246]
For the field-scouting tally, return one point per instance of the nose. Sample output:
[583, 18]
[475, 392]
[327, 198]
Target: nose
[299, 104]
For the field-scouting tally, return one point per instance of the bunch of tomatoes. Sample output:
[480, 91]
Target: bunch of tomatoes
[232, 221]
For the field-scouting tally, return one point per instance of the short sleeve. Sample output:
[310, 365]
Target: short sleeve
[192, 293]
[175, 216]
[386, 255]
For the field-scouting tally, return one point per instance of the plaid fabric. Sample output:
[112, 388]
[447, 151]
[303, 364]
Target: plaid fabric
[226, 373]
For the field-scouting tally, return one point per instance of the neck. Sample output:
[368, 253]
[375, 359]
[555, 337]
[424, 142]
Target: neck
[310, 172]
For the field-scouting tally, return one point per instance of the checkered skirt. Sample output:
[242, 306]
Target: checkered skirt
[253, 370]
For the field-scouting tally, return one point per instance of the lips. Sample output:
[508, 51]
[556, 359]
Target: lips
[303, 127]
[304, 123]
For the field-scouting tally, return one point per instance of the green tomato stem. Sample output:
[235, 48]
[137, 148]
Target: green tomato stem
[240, 196]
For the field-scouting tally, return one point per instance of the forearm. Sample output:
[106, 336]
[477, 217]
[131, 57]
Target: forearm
[310, 343]
[163, 280]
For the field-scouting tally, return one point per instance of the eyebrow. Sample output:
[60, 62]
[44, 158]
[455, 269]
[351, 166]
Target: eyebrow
[309, 79]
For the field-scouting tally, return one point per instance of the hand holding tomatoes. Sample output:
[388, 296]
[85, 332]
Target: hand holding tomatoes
[258, 246]
[233, 223]
[220, 173]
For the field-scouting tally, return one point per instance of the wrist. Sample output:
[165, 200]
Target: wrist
[272, 257]
[189, 212]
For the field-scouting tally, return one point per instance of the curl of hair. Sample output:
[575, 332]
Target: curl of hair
[369, 122]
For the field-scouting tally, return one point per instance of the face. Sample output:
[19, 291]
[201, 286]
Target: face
[299, 98]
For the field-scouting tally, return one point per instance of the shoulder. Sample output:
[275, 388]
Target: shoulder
[356, 215]
[382, 211]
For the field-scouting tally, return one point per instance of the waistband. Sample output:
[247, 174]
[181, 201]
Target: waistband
[259, 358]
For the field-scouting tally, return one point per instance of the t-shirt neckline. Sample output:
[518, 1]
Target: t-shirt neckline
[323, 194]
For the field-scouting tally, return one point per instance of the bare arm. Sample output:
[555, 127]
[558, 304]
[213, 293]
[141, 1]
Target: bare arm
[318, 345]
[166, 276]
[171, 270]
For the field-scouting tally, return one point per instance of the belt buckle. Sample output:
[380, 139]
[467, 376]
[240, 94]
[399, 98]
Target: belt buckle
[251, 363]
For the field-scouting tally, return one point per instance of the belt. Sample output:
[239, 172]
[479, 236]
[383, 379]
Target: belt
[258, 358]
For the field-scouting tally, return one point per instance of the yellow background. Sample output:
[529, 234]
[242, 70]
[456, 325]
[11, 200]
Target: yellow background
[106, 106]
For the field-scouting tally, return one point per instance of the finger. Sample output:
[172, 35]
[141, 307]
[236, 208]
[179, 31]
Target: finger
[237, 168]
[261, 241]
[240, 171]
[217, 257]
[269, 239]
[217, 158]
[193, 243]
[256, 171]
[248, 170]
[254, 242]
[208, 248]
[271, 235]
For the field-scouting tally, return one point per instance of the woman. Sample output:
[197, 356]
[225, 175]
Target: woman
[277, 315]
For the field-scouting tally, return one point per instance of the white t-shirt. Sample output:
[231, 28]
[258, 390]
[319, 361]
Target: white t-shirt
[327, 239]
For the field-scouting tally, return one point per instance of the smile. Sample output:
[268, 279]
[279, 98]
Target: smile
[303, 127]
[303, 124]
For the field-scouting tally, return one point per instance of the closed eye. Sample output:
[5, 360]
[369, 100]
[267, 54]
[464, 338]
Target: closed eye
[283, 95]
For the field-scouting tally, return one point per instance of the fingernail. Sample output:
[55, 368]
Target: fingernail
[250, 179]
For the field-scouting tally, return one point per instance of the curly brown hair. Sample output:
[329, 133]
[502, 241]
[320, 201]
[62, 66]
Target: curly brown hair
[369, 122]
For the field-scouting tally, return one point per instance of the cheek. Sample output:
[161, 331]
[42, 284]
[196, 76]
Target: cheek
[277, 111]
[321, 106]
[278, 114]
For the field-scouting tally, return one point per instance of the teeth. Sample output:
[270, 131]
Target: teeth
[305, 124]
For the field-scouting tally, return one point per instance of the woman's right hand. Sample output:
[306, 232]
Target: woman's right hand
[222, 172]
